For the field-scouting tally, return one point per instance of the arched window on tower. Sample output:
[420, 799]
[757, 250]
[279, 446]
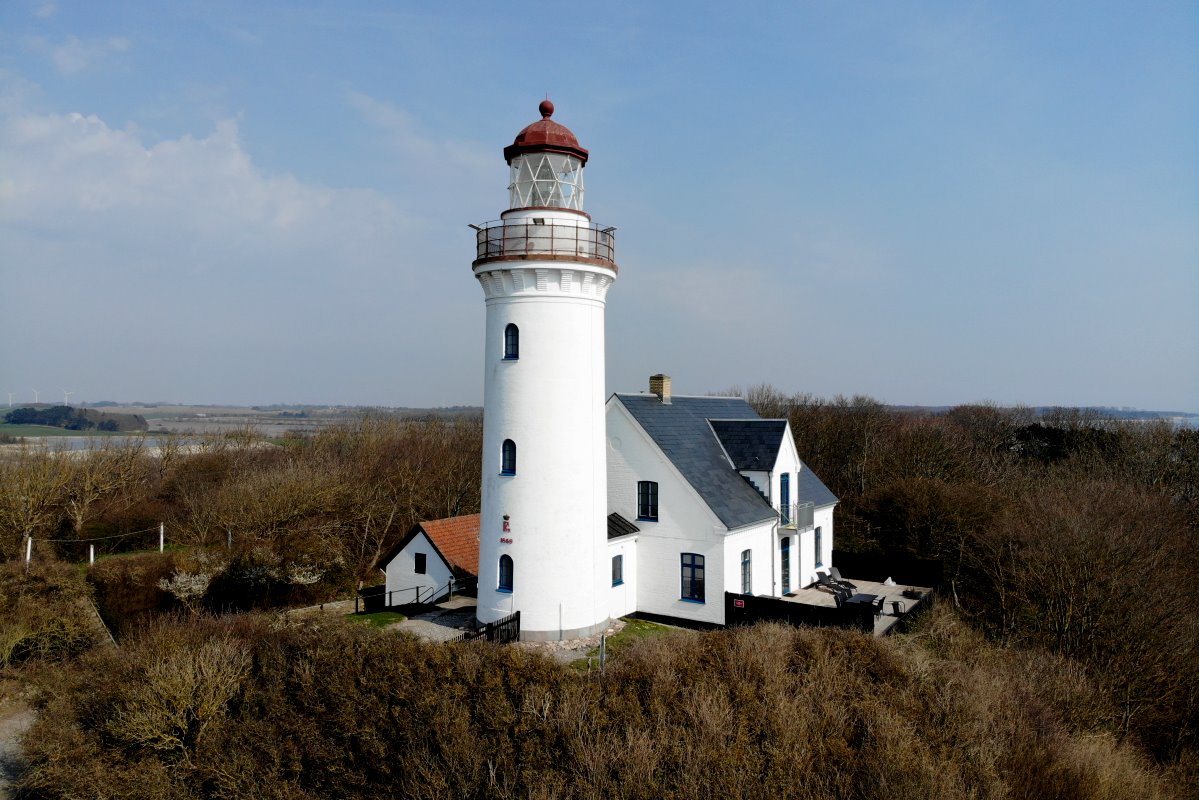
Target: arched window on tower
[505, 573]
[511, 342]
[508, 458]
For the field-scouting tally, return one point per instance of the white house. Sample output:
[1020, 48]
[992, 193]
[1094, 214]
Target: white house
[704, 497]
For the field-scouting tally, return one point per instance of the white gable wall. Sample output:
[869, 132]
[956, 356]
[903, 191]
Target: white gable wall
[402, 579]
[685, 524]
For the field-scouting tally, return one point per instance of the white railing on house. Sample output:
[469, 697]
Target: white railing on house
[798, 516]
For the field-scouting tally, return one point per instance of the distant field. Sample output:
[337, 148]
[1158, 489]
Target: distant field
[47, 430]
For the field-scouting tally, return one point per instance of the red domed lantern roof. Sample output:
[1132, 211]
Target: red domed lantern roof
[545, 136]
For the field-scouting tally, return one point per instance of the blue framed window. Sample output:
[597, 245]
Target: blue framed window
[505, 574]
[511, 343]
[617, 570]
[747, 580]
[819, 540]
[785, 498]
[420, 562]
[508, 458]
[693, 577]
[785, 560]
[647, 501]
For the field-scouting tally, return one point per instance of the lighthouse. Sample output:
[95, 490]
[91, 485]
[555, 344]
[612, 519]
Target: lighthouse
[545, 268]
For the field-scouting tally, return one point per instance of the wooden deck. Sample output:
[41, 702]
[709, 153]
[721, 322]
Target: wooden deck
[819, 596]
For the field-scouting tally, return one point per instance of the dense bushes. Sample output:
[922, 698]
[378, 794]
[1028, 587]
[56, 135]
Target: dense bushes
[44, 614]
[247, 706]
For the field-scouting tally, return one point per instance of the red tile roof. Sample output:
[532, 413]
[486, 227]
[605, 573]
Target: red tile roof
[457, 539]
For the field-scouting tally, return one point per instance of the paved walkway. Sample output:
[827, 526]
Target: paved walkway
[442, 622]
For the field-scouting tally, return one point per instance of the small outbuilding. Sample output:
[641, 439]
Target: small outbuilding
[436, 553]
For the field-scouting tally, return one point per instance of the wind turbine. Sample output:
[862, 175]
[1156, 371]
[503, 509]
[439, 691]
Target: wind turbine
[35, 400]
[10, 394]
[66, 397]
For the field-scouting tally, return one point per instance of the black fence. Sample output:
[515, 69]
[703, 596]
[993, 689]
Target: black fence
[377, 598]
[501, 631]
[746, 609]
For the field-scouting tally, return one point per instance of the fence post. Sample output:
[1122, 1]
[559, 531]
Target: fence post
[91, 554]
[162, 532]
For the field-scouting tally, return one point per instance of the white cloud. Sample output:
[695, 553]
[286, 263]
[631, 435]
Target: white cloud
[76, 55]
[45, 10]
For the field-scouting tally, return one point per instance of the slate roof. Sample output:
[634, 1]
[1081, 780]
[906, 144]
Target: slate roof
[751, 444]
[456, 540]
[680, 429]
[619, 526]
[812, 490]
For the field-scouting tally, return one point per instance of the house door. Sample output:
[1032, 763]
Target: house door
[785, 559]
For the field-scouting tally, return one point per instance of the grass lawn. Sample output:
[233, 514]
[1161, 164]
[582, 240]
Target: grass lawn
[633, 631]
[379, 619]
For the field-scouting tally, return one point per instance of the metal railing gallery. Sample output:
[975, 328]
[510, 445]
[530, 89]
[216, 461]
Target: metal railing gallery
[544, 236]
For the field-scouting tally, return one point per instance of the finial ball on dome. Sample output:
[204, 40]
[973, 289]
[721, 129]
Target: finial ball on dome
[546, 108]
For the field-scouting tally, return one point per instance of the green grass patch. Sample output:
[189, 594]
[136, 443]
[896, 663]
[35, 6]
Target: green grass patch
[633, 631]
[49, 430]
[379, 619]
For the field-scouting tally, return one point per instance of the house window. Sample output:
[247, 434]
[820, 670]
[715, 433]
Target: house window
[785, 558]
[819, 540]
[511, 342]
[746, 572]
[505, 574]
[647, 501]
[508, 458]
[617, 570]
[785, 498]
[420, 564]
[693, 577]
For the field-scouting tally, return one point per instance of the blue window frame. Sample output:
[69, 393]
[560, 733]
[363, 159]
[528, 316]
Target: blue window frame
[647, 501]
[785, 498]
[819, 541]
[785, 559]
[505, 574]
[511, 342]
[693, 577]
[508, 458]
[617, 570]
[747, 582]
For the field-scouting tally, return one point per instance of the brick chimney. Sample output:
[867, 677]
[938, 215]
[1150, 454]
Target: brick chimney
[660, 385]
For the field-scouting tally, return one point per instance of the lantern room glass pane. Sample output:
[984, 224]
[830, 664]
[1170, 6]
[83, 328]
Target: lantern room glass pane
[552, 180]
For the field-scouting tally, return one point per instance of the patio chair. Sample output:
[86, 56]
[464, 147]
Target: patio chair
[836, 576]
[878, 605]
[828, 583]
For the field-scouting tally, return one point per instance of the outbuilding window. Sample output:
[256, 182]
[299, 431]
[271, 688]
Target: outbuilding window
[647, 501]
[746, 572]
[511, 343]
[508, 458]
[505, 573]
[819, 541]
[785, 498]
[419, 566]
[617, 570]
[693, 577]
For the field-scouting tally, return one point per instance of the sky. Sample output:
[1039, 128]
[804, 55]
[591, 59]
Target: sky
[926, 203]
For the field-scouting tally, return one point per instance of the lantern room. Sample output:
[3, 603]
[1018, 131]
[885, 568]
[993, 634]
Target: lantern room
[546, 164]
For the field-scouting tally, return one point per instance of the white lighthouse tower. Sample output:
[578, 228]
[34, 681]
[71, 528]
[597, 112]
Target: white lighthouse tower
[545, 269]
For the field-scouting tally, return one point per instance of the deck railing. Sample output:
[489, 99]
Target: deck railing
[538, 236]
